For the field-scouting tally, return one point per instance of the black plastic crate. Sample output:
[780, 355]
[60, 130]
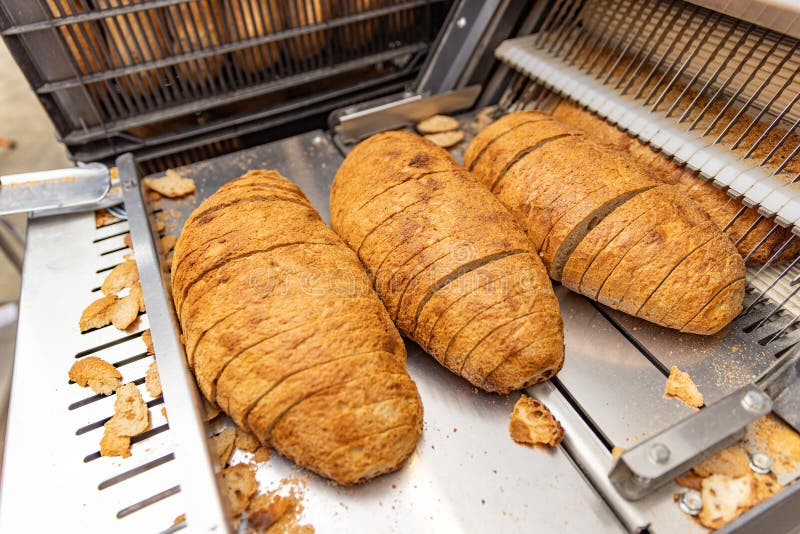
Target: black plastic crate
[129, 74]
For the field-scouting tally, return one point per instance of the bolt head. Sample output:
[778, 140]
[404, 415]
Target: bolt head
[754, 401]
[461, 23]
[691, 502]
[760, 463]
[658, 453]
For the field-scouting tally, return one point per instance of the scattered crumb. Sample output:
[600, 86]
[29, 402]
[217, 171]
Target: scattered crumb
[96, 373]
[168, 243]
[123, 275]
[732, 462]
[172, 185]
[681, 386]
[164, 412]
[437, 124]
[98, 313]
[124, 311]
[223, 444]
[159, 226]
[724, 499]
[265, 510]
[617, 451]
[262, 455]
[446, 139]
[240, 486]
[113, 173]
[147, 337]
[127, 241]
[532, 423]
[180, 519]
[152, 381]
[129, 257]
[131, 418]
[103, 217]
[246, 441]
[773, 437]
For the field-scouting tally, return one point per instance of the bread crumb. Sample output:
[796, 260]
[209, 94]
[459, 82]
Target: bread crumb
[240, 486]
[129, 257]
[168, 243]
[164, 413]
[127, 241]
[123, 275]
[103, 217]
[131, 418]
[446, 139]
[124, 311]
[172, 185]
[147, 337]
[265, 510]
[261, 455]
[681, 386]
[180, 519]
[98, 313]
[732, 462]
[724, 499]
[246, 441]
[152, 381]
[532, 423]
[96, 373]
[223, 444]
[159, 226]
[113, 173]
[437, 124]
[617, 451]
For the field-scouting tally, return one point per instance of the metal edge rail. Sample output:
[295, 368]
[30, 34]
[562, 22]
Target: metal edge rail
[207, 511]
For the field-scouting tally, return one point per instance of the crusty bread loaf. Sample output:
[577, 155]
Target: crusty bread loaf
[285, 334]
[455, 271]
[720, 207]
[606, 229]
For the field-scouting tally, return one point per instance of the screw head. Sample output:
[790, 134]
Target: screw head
[658, 453]
[691, 502]
[754, 401]
[461, 23]
[760, 463]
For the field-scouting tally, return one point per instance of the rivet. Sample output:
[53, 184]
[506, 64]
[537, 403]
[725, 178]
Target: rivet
[461, 23]
[691, 501]
[754, 401]
[760, 463]
[658, 453]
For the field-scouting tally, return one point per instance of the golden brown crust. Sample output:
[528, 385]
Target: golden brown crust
[496, 129]
[274, 306]
[720, 207]
[123, 275]
[681, 386]
[102, 377]
[424, 230]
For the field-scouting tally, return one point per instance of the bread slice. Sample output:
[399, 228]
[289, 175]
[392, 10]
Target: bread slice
[760, 242]
[585, 254]
[364, 415]
[498, 128]
[707, 271]
[275, 306]
[447, 230]
[719, 311]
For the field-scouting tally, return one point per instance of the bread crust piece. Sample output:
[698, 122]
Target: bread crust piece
[276, 345]
[445, 227]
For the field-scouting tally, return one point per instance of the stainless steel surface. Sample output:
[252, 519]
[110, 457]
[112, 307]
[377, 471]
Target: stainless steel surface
[197, 465]
[369, 119]
[466, 475]
[53, 476]
[59, 189]
[782, 384]
[660, 458]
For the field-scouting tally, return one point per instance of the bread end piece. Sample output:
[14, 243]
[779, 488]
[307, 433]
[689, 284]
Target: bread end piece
[533, 424]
